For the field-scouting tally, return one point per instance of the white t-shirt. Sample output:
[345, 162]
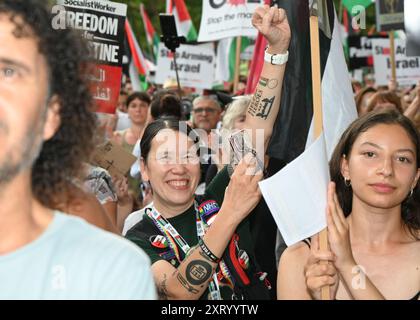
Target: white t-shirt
[75, 260]
[123, 122]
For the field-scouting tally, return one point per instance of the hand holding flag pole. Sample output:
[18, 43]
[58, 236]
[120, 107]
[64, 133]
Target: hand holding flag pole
[317, 105]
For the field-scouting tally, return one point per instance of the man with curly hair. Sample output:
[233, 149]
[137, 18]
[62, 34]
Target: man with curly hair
[46, 131]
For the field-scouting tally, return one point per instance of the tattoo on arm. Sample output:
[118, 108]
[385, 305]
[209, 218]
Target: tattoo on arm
[265, 108]
[198, 272]
[261, 107]
[162, 289]
[263, 82]
[185, 284]
[254, 105]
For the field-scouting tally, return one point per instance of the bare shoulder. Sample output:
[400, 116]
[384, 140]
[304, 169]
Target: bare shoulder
[291, 283]
[297, 253]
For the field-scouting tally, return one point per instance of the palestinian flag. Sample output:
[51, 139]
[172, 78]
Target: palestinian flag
[138, 68]
[226, 58]
[151, 35]
[183, 20]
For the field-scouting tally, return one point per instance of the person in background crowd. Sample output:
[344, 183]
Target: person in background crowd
[206, 113]
[137, 108]
[363, 98]
[356, 86]
[233, 121]
[46, 130]
[384, 100]
[373, 218]
[123, 119]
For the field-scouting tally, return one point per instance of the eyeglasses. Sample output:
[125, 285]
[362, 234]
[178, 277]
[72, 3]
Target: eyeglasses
[207, 110]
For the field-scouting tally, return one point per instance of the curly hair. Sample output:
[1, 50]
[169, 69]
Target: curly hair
[61, 157]
[410, 207]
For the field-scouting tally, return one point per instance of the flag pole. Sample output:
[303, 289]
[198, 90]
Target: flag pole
[392, 56]
[317, 106]
[237, 63]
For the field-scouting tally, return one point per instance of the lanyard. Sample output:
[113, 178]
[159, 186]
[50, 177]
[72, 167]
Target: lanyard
[174, 239]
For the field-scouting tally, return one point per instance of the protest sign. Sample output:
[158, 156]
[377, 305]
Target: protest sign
[227, 18]
[102, 25]
[389, 15]
[407, 68]
[412, 26]
[113, 158]
[196, 65]
[360, 51]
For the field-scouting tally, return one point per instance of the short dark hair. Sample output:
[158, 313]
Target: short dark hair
[385, 96]
[359, 97]
[410, 208]
[61, 157]
[171, 123]
[142, 96]
[165, 103]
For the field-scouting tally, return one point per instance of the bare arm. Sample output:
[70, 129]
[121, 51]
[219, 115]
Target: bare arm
[290, 278]
[192, 277]
[264, 107]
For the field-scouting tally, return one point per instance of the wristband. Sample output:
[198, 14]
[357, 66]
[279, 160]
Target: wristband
[207, 251]
[276, 59]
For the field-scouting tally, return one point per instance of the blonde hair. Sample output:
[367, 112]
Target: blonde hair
[234, 110]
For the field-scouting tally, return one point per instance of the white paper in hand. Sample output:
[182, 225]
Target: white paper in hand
[297, 194]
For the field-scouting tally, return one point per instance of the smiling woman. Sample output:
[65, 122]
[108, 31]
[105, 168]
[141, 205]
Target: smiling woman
[200, 247]
[373, 217]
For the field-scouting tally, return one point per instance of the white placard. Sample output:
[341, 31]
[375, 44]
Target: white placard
[226, 18]
[196, 65]
[408, 68]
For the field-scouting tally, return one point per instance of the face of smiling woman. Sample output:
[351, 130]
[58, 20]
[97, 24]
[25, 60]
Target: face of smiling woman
[24, 117]
[173, 169]
[382, 167]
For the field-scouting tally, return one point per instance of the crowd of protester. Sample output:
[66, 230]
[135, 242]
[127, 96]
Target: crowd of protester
[180, 224]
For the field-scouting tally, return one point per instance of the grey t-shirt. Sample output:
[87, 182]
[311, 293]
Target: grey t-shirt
[75, 260]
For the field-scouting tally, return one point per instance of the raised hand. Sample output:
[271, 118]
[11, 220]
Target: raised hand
[273, 25]
[338, 230]
[242, 193]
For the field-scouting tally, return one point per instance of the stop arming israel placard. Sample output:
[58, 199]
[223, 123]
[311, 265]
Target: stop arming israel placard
[196, 65]
[102, 25]
[408, 68]
[227, 18]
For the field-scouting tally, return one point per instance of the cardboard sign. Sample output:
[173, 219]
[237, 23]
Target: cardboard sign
[408, 68]
[102, 25]
[196, 65]
[389, 15]
[227, 18]
[113, 158]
